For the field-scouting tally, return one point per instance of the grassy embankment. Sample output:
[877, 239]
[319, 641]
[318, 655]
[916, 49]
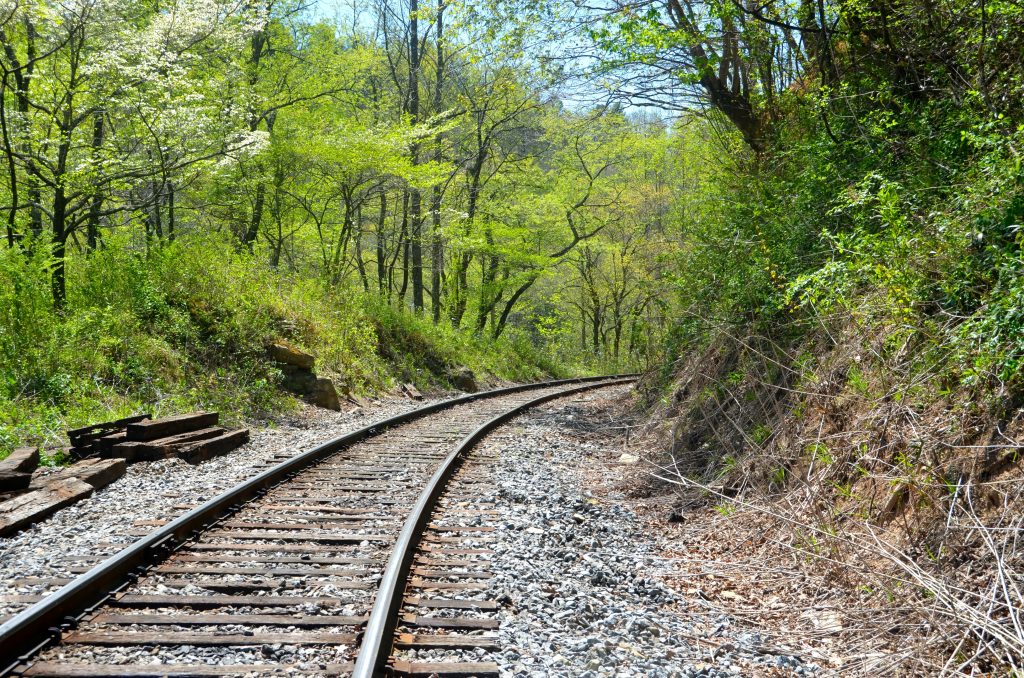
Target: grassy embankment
[184, 326]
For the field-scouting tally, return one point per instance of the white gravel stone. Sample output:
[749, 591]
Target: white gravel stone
[154, 490]
[578, 578]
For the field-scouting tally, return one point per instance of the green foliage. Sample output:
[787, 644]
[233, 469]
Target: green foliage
[760, 434]
[184, 326]
[820, 453]
[205, 180]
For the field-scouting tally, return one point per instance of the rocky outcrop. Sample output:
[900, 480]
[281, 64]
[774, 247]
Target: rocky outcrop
[286, 354]
[299, 378]
[324, 394]
[464, 380]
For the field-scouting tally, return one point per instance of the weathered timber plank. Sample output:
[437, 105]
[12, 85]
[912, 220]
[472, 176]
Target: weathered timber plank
[96, 472]
[33, 506]
[21, 460]
[321, 509]
[14, 480]
[418, 583]
[449, 642]
[267, 549]
[213, 602]
[317, 517]
[446, 670]
[161, 448]
[450, 604]
[448, 574]
[425, 561]
[213, 559]
[267, 558]
[107, 442]
[444, 549]
[224, 585]
[262, 585]
[343, 487]
[20, 598]
[246, 525]
[262, 571]
[120, 638]
[42, 581]
[197, 452]
[76, 433]
[450, 622]
[169, 426]
[302, 536]
[96, 439]
[215, 619]
[190, 436]
[68, 670]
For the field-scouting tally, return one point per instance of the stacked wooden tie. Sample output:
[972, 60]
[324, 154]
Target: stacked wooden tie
[29, 493]
[193, 437]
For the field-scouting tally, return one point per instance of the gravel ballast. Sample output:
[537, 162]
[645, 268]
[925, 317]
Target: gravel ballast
[162, 490]
[580, 576]
[582, 580]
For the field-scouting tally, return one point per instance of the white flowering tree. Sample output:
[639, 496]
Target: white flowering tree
[113, 101]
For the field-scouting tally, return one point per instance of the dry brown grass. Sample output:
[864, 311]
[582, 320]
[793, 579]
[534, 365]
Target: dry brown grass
[886, 520]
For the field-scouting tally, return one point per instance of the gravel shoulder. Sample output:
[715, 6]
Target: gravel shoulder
[589, 585]
[103, 523]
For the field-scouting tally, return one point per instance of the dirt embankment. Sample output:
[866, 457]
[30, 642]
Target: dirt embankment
[852, 495]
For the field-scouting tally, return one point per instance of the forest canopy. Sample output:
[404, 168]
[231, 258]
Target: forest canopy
[528, 187]
[185, 181]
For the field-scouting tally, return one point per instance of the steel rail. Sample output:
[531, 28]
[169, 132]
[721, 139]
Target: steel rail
[378, 636]
[36, 627]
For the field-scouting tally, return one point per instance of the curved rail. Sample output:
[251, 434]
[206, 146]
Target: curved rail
[380, 627]
[34, 628]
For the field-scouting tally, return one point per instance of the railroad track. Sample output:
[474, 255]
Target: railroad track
[342, 560]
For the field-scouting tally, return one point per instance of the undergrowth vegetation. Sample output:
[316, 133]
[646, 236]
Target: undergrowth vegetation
[185, 326]
[850, 353]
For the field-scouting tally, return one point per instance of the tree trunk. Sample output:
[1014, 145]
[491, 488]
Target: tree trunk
[158, 221]
[416, 221]
[488, 276]
[358, 238]
[413, 109]
[58, 283]
[404, 245]
[461, 290]
[381, 256]
[616, 328]
[499, 326]
[171, 216]
[60, 214]
[436, 256]
[257, 50]
[12, 171]
[253, 229]
[437, 246]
